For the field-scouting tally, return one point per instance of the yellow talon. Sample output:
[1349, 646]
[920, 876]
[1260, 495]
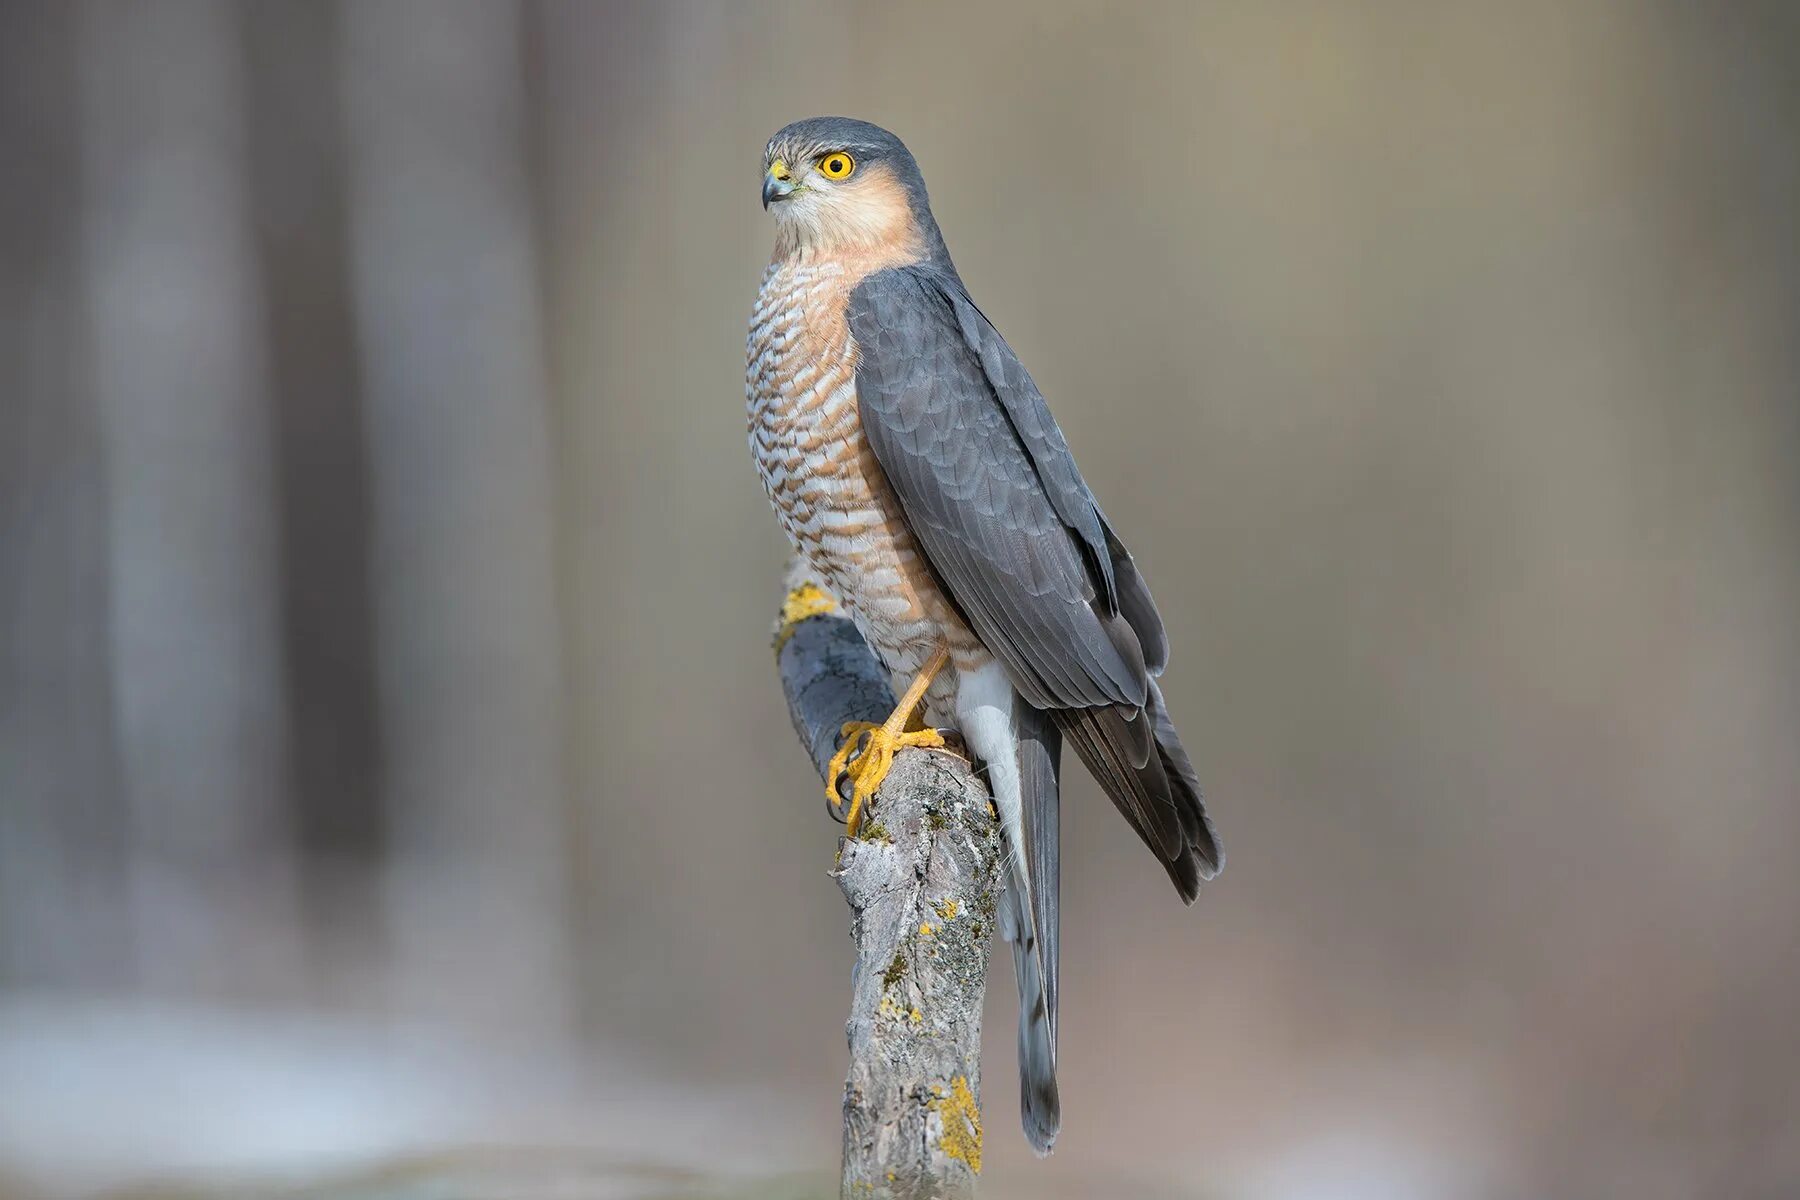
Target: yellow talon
[868, 750]
[873, 747]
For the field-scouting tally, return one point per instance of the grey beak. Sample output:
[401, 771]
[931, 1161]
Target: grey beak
[776, 189]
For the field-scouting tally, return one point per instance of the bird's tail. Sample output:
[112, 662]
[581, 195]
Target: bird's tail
[1030, 921]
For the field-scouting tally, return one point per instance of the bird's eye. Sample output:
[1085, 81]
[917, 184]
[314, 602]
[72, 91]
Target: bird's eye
[836, 165]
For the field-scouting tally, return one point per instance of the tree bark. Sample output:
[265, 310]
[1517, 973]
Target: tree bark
[922, 880]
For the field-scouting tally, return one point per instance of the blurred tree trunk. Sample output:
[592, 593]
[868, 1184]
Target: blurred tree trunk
[177, 354]
[62, 901]
[297, 182]
[468, 662]
[588, 96]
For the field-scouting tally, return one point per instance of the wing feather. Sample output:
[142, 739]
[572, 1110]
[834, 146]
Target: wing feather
[992, 494]
[1015, 538]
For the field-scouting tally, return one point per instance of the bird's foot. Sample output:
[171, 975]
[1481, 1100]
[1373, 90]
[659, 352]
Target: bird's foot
[866, 757]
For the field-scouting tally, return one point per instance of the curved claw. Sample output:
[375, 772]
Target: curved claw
[866, 756]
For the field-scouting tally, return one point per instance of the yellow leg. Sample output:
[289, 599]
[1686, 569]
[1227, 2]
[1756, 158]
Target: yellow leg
[874, 746]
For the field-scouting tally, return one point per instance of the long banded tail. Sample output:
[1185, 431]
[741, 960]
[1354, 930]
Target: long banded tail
[1031, 922]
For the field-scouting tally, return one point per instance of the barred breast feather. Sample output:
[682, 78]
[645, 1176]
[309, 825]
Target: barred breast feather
[827, 488]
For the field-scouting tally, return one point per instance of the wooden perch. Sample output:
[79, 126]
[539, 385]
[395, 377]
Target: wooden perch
[922, 880]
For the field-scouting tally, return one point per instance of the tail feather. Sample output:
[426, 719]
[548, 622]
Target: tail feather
[1020, 746]
[1040, 1107]
[1035, 908]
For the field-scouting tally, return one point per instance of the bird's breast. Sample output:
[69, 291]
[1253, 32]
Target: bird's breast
[805, 433]
[826, 485]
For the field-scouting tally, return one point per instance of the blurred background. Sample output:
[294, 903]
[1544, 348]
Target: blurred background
[393, 774]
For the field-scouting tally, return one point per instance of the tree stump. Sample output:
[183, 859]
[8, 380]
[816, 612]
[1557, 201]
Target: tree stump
[922, 880]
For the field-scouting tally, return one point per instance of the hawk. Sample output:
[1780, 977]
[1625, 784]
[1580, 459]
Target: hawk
[917, 469]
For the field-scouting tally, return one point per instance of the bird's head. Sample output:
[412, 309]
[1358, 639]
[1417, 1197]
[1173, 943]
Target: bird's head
[836, 184]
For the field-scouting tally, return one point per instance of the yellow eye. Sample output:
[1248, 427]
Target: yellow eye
[836, 165]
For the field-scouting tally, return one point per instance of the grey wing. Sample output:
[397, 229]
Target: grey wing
[992, 494]
[1124, 590]
[1015, 537]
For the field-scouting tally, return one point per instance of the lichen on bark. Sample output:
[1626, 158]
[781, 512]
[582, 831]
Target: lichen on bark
[921, 903]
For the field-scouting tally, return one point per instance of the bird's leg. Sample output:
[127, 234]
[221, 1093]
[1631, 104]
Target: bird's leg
[874, 746]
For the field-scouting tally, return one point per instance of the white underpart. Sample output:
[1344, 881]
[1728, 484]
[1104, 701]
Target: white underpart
[984, 714]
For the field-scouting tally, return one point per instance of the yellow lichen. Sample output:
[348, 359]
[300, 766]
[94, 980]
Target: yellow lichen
[807, 600]
[961, 1117]
[947, 910]
[925, 929]
[916, 1015]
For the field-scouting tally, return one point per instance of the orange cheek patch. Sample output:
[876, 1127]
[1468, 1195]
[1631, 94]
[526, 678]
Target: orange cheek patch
[876, 205]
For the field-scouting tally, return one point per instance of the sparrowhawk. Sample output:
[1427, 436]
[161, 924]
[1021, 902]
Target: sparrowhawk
[917, 469]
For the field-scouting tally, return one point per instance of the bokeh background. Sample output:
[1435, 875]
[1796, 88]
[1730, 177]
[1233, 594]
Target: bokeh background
[392, 766]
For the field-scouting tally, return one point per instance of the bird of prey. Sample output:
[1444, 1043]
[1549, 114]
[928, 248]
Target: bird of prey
[917, 470]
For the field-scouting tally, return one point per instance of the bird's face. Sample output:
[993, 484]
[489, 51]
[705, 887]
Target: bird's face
[833, 184]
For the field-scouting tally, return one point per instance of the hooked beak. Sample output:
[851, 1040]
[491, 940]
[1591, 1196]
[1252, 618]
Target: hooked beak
[778, 183]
